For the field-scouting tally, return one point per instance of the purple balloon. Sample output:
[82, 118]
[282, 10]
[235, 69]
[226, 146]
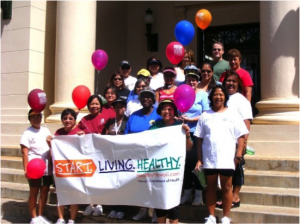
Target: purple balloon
[184, 97]
[99, 59]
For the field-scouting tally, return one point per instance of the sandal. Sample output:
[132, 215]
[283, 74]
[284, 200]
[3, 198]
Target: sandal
[235, 204]
[219, 204]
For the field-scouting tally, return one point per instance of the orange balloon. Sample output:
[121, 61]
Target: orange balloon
[203, 18]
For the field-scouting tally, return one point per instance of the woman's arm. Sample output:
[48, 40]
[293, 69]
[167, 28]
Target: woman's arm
[189, 142]
[157, 95]
[247, 123]
[248, 92]
[199, 153]
[238, 155]
[24, 151]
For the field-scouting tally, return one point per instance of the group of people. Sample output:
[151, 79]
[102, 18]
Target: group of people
[216, 126]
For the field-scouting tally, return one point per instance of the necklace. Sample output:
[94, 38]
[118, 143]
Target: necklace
[117, 125]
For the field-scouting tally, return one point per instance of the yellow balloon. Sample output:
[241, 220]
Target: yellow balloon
[203, 18]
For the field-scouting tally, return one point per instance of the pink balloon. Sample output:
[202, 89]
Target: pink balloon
[37, 100]
[36, 168]
[99, 59]
[184, 97]
[175, 52]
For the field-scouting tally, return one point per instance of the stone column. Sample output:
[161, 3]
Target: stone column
[279, 28]
[75, 44]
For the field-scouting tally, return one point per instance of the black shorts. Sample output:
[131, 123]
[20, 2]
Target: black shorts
[43, 181]
[172, 213]
[223, 172]
[238, 174]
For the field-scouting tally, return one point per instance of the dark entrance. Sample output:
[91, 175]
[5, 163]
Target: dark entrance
[245, 38]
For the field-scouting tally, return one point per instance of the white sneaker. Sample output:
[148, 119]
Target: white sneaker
[44, 220]
[187, 197]
[112, 214]
[98, 210]
[210, 220]
[35, 220]
[71, 221]
[154, 217]
[198, 198]
[88, 210]
[60, 221]
[225, 220]
[120, 215]
[143, 214]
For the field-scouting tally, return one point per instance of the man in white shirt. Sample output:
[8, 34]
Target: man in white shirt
[125, 70]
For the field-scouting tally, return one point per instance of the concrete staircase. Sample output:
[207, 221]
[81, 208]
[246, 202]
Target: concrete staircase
[271, 193]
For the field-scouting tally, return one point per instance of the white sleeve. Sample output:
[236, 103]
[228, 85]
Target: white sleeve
[245, 109]
[25, 140]
[199, 128]
[240, 127]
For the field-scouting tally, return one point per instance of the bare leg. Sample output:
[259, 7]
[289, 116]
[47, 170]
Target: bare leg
[43, 199]
[32, 200]
[211, 196]
[226, 183]
[61, 211]
[74, 210]
[173, 220]
[236, 193]
[162, 219]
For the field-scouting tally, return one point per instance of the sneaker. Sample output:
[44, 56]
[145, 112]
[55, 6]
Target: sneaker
[187, 197]
[88, 210]
[120, 215]
[60, 221]
[112, 214]
[198, 198]
[98, 210]
[71, 221]
[225, 220]
[35, 220]
[44, 220]
[143, 214]
[154, 217]
[210, 220]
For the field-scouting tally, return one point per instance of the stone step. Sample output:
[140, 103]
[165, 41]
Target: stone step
[14, 151]
[188, 214]
[11, 162]
[255, 162]
[13, 176]
[271, 179]
[270, 196]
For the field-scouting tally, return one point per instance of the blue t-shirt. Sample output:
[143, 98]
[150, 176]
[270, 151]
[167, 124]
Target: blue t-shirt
[139, 122]
[132, 96]
[201, 104]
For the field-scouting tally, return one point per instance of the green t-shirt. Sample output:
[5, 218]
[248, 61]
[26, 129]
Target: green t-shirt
[219, 68]
[161, 124]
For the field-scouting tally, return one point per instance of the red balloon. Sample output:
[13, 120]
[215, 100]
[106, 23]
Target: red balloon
[36, 168]
[175, 52]
[37, 100]
[80, 96]
[184, 97]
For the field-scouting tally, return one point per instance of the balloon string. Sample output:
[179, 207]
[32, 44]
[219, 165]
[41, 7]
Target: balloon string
[203, 45]
[97, 81]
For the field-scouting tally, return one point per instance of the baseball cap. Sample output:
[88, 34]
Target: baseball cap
[144, 72]
[190, 67]
[147, 89]
[119, 100]
[169, 70]
[124, 62]
[153, 61]
[193, 74]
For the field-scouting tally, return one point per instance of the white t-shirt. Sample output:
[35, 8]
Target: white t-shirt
[130, 82]
[157, 81]
[35, 140]
[220, 132]
[180, 77]
[134, 105]
[239, 103]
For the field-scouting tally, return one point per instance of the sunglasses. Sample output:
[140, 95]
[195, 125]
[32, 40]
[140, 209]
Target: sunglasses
[217, 49]
[208, 71]
[169, 76]
[125, 68]
[117, 79]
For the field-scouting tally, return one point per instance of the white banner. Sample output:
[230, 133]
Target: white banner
[144, 169]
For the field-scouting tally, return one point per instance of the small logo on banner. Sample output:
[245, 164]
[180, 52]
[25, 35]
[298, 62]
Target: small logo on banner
[74, 168]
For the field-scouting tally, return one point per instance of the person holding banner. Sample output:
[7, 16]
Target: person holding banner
[142, 120]
[191, 117]
[167, 110]
[217, 131]
[93, 123]
[110, 95]
[68, 119]
[33, 145]
[167, 91]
